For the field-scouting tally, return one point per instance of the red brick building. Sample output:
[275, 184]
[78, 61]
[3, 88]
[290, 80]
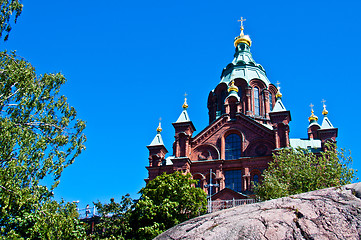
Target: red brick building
[247, 122]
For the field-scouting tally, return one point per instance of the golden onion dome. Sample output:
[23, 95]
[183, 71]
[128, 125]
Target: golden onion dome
[324, 111]
[232, 87]
[242, 39]
[159, 128]
[185, 105]
[313, 117]
[278, 94]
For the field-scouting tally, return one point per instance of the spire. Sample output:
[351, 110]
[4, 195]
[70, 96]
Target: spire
[184, 115]
[313, 118]
[326, 123]
[242, 38]
[278, 94]
[158, 141]
[279, 107]
[185, 105]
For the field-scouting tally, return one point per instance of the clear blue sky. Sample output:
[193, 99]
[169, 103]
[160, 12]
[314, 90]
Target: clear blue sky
[130, 62]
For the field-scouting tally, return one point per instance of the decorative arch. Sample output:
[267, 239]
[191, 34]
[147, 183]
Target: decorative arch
[201, 179]
[260, 148]
[223, 141]
[205, 152]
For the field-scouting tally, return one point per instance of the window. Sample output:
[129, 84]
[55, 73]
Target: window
[240, 94]
[256, 179]
[233, 180]
[270, 102]
[256, 101]
[233, 146]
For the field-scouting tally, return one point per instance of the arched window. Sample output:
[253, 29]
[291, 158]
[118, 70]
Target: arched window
[270, 102]
[233, 146]
[256, 179]
[240, 94]
[256, 101]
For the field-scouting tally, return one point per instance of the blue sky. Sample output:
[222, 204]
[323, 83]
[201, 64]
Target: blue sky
[130, 62]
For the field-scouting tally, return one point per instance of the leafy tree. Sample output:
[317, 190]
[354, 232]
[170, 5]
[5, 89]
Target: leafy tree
[39, 137]
[114, 219]
[295, 171]
[7, 10]
[167, 200]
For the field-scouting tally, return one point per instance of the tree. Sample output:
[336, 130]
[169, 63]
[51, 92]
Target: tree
[39, 137]
[7, 10]
[295, 171]
[114, 219]
[167, 200]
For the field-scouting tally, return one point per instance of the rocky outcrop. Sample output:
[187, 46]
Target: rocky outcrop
[332, 213]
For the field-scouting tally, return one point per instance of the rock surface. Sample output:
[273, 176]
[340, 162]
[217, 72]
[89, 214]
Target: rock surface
[332, 213]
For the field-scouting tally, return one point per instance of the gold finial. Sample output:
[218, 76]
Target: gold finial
[278, 94]
[232, 87]
[185, 105]
[313, 117]
[324, 111]
[242, 38]
[159, 128]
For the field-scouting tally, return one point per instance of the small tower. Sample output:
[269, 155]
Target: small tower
[280, 118]
[184, 129]
[327, 131]
[313, 126]
[232, 101]
[157, 150]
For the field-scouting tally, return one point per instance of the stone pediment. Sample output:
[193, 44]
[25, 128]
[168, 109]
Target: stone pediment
[242, 122]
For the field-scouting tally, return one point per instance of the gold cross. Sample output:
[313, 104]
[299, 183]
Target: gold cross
[323, 102]
[241, 20]
[185, 94]
[311, 105]
[160, 119]
[278, 84]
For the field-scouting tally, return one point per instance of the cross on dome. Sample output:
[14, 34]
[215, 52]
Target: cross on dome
[241, 20]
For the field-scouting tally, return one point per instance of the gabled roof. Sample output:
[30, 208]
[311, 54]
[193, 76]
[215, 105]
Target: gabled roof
[183, 117]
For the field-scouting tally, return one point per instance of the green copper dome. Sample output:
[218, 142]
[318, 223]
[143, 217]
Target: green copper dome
[243, 66]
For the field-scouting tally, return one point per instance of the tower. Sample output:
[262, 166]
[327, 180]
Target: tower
[247, 123]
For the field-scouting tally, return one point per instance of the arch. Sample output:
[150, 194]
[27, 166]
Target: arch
[201, 178]
[233, 146]
[226, 133]
[205, 152]
[256, 101]
[259, 148]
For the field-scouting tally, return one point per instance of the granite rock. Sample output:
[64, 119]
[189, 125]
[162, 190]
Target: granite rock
[331, 213]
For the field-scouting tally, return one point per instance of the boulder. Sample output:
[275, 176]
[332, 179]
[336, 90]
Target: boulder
[331, 213]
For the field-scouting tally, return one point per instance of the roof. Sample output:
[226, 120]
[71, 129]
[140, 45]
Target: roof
[326, 123]
[184, 117]
[279, 107]
[305, 143]
[243, 66]
[157, 141]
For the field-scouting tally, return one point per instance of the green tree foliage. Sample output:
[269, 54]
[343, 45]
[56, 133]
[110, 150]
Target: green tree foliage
[167, 200]
[39, 136]
[295, 171]
[8, 10]
[114, 219]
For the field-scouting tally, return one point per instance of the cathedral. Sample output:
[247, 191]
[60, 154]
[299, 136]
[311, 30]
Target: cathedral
[247, 123]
